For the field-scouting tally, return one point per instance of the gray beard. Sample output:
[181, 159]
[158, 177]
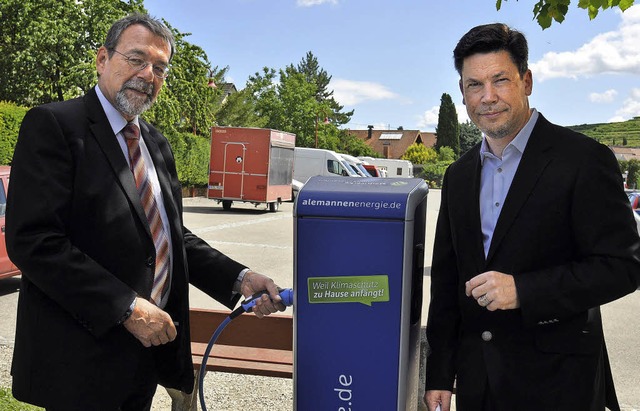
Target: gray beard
[134, 107]
[499, 133]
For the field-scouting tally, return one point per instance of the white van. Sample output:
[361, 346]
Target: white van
[356, 164]
[309, 162]
[393, 167]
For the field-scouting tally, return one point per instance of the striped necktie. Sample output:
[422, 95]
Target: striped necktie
[131, 134]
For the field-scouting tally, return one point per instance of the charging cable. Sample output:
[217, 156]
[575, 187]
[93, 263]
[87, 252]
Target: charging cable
[287, 299]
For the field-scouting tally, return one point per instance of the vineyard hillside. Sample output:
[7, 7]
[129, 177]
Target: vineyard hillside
[624, 133]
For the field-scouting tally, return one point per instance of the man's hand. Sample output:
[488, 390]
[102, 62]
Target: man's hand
[267, 304]
[493, 290]
[149, 324]
[433, 398]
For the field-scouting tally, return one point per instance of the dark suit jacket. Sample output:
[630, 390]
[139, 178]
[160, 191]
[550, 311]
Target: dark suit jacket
[77, 230]
[567, 234]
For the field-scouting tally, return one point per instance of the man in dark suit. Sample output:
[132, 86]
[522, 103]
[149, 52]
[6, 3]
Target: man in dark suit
[534, 233]
[95, 224]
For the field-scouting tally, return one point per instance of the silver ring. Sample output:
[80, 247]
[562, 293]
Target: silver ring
[484, 301]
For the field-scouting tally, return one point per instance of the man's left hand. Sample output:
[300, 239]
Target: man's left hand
[267, 304]
[493, 290]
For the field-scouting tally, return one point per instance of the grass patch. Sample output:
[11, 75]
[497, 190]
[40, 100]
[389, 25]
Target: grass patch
[8, 403]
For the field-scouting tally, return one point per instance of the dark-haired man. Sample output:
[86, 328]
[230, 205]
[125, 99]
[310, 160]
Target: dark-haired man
[517, 279]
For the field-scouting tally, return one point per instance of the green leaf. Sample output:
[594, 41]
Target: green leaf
[498, 4]
[544, 20]
[625, 4]
[562, 12]
[583, 4]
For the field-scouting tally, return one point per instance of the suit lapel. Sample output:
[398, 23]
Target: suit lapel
[99, 125]
[534, 160]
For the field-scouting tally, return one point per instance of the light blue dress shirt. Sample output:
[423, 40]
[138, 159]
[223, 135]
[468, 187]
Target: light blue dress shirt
[496, 177]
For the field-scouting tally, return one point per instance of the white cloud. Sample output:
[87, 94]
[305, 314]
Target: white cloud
[461, 109]
[428, 121]
[612, 52]
[605, 97]
[349, 92]
[630, 107]
[311, 3]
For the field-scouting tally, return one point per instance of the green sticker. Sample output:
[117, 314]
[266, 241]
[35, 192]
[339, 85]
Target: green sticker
[365, 289]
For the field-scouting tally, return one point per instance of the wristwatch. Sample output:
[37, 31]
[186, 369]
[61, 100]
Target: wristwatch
[129, 311]
[238, 282]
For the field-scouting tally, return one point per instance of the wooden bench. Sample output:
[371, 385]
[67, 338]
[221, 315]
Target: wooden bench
[248, 345]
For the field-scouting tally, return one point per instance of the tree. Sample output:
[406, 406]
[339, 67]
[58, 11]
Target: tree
[420, 154]
[633, 173]
[188, 101]
[239, 111]
[192, 158]
[11, 116]
[299, 102]
[300, 108]
[470, 135]
[48, 54]
[263, 94]
[446, 154]
[447, 131]
[313, 73]
[546, 11]
[49, 46]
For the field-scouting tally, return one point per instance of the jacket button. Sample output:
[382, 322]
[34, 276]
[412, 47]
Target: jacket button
[487, 336]
[149, 261]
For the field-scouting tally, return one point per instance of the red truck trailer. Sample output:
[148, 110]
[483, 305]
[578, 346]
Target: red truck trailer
[253, 165]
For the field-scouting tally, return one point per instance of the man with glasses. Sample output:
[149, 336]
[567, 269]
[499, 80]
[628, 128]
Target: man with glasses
[95, 225]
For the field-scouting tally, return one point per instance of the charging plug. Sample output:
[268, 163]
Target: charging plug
[285, 293]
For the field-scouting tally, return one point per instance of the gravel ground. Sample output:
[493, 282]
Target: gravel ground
[5, 365]
[232, 392]
[223, 392]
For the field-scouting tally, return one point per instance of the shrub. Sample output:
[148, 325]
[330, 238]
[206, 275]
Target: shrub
[11, 117]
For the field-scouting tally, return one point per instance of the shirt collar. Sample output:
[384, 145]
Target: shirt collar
[518, 143]
[116, 121]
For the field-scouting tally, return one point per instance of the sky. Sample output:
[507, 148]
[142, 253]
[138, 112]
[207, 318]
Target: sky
[391, 60]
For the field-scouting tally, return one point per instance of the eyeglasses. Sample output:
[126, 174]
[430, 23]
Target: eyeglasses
[138, 64]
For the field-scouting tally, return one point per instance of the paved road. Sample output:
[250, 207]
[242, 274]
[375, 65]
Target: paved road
[263, 240]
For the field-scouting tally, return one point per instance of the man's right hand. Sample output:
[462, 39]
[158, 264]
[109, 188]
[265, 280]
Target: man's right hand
[149, 324]
[433, 398]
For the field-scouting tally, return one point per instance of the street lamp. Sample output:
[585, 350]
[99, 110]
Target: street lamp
[326, 121]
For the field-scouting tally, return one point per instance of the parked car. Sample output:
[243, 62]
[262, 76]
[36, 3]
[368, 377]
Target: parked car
[634, 200]
[296, 186]
[309, 162]
[374, 170]
[356, 164]
[7, 268]
[393, 167]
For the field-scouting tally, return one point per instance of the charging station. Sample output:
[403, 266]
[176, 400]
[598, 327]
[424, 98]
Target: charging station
[358, 269]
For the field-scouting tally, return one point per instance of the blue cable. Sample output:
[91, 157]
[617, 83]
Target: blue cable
[287, 299]
[203, 368]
